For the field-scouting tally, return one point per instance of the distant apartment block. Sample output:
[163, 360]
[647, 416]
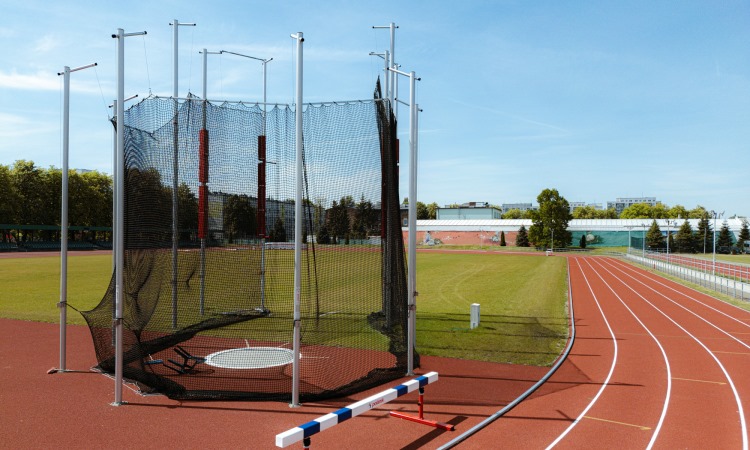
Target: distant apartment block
[522, 206]
[576, 205]
[621, 203]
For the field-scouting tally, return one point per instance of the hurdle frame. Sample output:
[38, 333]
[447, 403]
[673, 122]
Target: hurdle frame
[305, 431]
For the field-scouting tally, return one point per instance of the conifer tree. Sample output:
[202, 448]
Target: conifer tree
[744, 235]
[725, 236]
[522, 239]
[685, 240]
[654, 238]
[704, 235]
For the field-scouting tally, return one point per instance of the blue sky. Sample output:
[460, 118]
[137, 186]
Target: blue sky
[598, 99]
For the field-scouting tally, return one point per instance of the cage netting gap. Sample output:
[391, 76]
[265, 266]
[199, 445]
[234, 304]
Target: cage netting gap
[234, 344]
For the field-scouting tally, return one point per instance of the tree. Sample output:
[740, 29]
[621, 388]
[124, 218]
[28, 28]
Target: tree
[678, 212]
[744, 235]
[422, 212]
[582, 242]
[502, 239]
[278, 232]
[660, 211]
[365, 219]
[512, 214]
[187, 212]
[637, 211]
[323, 237]
[654, 238]
[338, 221]
[704, 236]
[239, 217]
[725, 236]
[550, 221]
[522, 238]
[697, 213]
[685, 240]
[432, 210]
[9, 201]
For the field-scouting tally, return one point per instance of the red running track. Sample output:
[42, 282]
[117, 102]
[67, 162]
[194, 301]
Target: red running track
[654, 364]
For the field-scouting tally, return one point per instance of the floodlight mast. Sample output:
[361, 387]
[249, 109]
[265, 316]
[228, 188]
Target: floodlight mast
[297, 224]
[412, 252]
[175, 168]
[120, 201]
[63, 304]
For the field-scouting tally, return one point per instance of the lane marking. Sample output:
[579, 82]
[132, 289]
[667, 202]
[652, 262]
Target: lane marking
[611, 368]
[668, 394]
[731, 353]
[700, 381]
[640, 427]
[740, 410]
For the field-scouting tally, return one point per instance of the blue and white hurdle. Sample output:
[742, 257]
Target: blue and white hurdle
[304, 431]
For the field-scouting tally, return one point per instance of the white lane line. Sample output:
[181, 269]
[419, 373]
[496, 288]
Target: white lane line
[665, 405]
[609, 375]
[656, 280]
[740, 410]
[680, 305]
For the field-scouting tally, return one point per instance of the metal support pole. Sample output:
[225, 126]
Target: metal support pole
[175, 165]
[119, 245]
[297, 226]
[412, 221]
[63, 304]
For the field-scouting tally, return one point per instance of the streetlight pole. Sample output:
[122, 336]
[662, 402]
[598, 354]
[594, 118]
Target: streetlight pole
[668, 235]
[629, 227]
[713, 270]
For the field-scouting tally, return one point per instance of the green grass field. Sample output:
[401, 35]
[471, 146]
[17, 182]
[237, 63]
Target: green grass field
[523, 300]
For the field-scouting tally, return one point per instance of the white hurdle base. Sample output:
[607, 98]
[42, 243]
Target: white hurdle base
[304, 431]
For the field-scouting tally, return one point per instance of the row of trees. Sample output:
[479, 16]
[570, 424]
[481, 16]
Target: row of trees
[636, 211]
[30, 195]
[347, 220]
[685, 240]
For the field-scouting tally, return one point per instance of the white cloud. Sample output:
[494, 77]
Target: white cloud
[43, 81]
[46, 43]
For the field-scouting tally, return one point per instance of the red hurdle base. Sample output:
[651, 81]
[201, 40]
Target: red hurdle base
[420, 418]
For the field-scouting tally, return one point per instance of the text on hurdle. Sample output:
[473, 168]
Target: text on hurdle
[305, 431]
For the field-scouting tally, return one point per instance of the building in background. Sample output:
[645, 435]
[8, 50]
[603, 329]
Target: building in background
[576, 205]
[505, 207]
[469, 211]
[621, 203]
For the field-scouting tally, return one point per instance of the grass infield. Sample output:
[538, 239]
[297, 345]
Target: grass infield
[523, 301]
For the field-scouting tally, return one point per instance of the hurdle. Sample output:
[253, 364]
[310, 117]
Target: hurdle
[305, 431]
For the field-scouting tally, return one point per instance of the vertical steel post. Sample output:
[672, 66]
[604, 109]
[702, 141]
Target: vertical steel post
[63, 305]
[120, 220]
[412, 256]
[297, 225]
[119, 225]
